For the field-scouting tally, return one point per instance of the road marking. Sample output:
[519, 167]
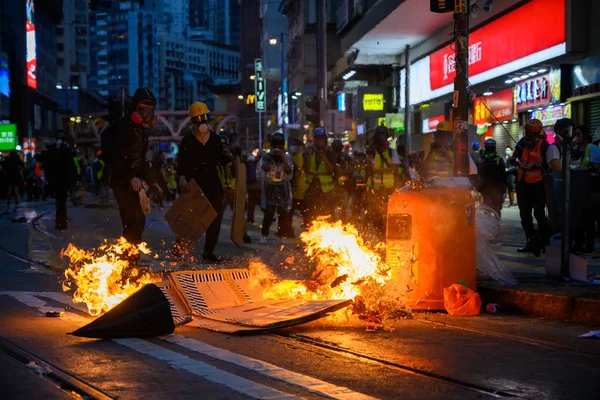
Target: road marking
[206, 371]
[308, 383]
[32, 299]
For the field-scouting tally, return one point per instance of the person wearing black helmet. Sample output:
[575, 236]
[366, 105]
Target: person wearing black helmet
[319, 165]
[382, 166]
[275, 170]
[130, 170]
[491, 172]
[61, 174]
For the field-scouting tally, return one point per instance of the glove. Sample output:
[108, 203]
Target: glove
[183, 186]
[144, 202]
[136, 184]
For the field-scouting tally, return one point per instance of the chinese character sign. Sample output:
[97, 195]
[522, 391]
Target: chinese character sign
[533, 92]
[493, 108]
[8, 137]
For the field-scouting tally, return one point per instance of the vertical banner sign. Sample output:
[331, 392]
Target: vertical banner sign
[30, 46]
[441, 6]
[260, 87]
[460, 6]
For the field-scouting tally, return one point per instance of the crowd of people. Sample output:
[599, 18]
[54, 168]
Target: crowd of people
[311, 180]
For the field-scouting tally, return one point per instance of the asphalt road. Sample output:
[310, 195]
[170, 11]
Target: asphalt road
[432, 356]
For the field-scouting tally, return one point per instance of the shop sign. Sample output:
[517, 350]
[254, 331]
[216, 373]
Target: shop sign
[441, 6]
[500, 104]
[541, 90]
[373, 102]
[341, 101]
[430, 124]
[29, 146]
[505, 40]
[395, 121]
[586, 76]
[589, 89]
[8, 137]
[550, 115]
[260, 87]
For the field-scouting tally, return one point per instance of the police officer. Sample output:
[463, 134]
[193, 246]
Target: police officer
[440, 160]
[382, 165]
[319, 165]
[130, 168]
[531, 196]
[201, 154]
[491, 171]
[61, 174]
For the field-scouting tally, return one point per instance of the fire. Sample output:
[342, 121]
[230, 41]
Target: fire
[102, 277]
[346, 267]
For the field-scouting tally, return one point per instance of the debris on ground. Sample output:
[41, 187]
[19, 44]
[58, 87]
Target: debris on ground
[591, 334]
[39, 369]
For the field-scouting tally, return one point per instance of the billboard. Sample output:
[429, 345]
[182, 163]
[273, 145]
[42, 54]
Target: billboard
[498, 106]
[31, 61]
[8, 137]
[4, 76]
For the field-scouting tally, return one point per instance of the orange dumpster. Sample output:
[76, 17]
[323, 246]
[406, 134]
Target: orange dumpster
[431, 243]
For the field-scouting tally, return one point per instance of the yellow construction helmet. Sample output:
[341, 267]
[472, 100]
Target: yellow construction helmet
[197, 109]
[444, 126]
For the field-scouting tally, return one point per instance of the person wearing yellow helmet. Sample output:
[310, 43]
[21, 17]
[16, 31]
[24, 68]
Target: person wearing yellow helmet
[201, 153]
[440, 160]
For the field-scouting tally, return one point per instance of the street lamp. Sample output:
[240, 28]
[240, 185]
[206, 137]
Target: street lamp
[252, 77]
[273, 41]
[241, 97]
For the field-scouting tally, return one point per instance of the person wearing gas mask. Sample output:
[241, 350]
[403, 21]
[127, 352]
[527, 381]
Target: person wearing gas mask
[319, 165]
[201, 154]
[382, 165]
[61, 174]
[531, 196]
[130, 169]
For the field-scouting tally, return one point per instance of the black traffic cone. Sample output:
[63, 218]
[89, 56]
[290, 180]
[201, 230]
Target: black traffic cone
[144, 313]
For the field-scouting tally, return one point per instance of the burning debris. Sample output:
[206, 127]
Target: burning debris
[103, 278]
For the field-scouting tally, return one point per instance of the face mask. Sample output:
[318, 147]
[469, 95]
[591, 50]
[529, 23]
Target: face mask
[203, 128]
[507, 152]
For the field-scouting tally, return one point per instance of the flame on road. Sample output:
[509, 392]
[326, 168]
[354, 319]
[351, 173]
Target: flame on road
[102, 278]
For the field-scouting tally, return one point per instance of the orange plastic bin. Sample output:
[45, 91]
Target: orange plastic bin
[431, 243]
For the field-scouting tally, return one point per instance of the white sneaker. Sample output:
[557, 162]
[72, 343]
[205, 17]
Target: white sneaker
[263, 240]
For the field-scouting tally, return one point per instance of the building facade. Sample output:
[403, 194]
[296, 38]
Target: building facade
[73, 47]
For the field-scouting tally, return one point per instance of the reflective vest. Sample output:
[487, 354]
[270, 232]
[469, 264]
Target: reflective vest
[342, 178]
[325, 177]
[386, 179]
[439, 165]
[360, 175]
[101, 170]
[530, 157]
[77, 166]
[228, 181]
[299, 183]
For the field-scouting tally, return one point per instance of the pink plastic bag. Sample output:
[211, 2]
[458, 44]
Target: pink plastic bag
[461, 301]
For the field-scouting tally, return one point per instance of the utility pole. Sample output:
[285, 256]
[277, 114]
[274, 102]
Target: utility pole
[407, 124]
[322, 61]
[460, 118]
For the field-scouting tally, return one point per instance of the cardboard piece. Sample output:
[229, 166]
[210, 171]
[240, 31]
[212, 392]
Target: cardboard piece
[238, 225]
[190, 215]
[577, 266]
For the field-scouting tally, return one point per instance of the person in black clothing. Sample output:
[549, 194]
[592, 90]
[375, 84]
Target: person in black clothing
[492, 177]
[511, 177]
[61, 174]
[13, 167]
[130, 169]
[252, 185]
[200, 154]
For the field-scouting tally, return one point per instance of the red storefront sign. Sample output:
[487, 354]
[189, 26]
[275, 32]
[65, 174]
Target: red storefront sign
[500, 104]
[430, 124]
[507, 39]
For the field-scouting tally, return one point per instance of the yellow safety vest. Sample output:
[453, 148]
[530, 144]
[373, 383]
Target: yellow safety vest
[228, 181]
[325, 177]
[100, 172]
[360, 175]
[439, 165]
[299, 184]
[77, 166]
[385, 179]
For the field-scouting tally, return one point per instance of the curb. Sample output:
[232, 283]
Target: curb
[580, 310]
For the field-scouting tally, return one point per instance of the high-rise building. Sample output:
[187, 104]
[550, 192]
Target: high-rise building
[98, 78]
[131, 48]
[73, 51]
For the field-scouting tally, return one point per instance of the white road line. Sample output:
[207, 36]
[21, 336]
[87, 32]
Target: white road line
[308, 383]
[31, 299]
[206, 371]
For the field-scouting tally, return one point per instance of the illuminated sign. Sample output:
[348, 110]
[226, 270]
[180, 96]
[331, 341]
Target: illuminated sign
[4, 76]
[29, 146]
[30, 45]
[250, 99]
[8, 137]
[505, 40]
[282, 109]
[381, 121]
[430, 124]
[373, 102]
[541, 90]
[341, 101]
[497, 107]
[550, 115]
[260, 87]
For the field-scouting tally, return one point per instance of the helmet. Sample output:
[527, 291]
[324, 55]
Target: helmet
[337, 145]
[278, 140]
[561, 124]
[197, 109]
[319, 132]
[533, 127]
[444, 126]
[490, 146]
[476, 145]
